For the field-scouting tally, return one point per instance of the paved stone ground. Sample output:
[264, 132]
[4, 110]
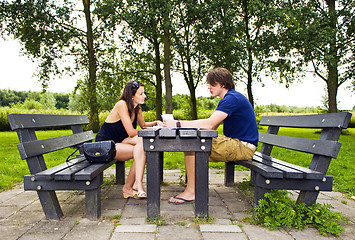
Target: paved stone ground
[21, 215]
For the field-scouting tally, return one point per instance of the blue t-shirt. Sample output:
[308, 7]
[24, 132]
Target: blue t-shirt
[240, 122]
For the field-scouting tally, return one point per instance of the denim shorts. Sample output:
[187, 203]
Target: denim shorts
[225, 149]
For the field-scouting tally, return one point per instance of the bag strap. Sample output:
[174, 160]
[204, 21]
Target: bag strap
[67, 160]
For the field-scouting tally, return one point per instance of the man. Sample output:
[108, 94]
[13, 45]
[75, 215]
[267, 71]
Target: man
[239, 127]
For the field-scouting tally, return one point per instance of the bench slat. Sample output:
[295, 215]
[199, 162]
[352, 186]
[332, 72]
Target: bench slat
[68, 173]
[49, 173]
[314, 146]
[308, 173]
[92, 171]
[35, 121]
[330, 120]
[267, 171]
[288, 172]
[38, 147]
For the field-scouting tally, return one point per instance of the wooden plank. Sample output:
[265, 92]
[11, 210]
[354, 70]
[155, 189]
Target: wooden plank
[288, 172]
[39, 147]
[68, 173]
[92, 171]
[49, 173]
[308, 173]
[36, 121]
[30, 185]
[313, 146]
[329, 120]
[295, 184]
[267, 171]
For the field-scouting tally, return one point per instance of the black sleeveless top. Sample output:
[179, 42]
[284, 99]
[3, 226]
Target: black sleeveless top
[114, 131]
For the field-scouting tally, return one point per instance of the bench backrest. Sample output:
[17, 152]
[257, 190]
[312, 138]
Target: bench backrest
[32, 149]
[323, 149]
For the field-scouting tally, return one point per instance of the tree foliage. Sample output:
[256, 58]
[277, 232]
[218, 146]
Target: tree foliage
[322, 33]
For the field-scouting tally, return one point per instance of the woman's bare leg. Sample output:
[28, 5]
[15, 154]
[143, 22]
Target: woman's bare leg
[133, 148]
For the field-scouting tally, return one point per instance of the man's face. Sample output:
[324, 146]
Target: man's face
[215, 90]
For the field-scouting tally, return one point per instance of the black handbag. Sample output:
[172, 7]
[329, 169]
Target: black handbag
[100, 152]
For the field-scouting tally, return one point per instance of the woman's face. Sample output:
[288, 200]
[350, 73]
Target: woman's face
[139, 97]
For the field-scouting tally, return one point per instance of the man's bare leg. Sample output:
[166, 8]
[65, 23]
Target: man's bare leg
[189, 193]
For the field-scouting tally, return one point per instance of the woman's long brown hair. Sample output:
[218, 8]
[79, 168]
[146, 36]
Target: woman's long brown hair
[128, 92]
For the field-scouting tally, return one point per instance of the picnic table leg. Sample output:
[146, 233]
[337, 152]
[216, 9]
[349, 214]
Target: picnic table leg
[153, 184]
[161, 166]
[201, 184]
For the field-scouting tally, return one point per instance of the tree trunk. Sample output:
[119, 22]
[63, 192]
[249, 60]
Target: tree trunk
[94, 115]
[167, 63]
[249, 52]
[192, 91]
[158, 92]
[333, 60]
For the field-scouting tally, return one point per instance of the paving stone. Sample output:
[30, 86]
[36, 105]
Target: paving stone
[169, 232]
[220, 228]
[255, 232]
[224, 236]
[133, 236]
[133, 221]
[26, 217]
[91, 230]
[134, 210]
[6, 195]
[306, 233]
[113, 203]
[147, 228]
[11, 232]
[219, 212]
[7, 211]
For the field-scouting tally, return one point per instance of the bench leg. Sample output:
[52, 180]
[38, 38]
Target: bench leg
[50, 204]
[229, 174]
[307, 197]
[120, 172]
[93, 203]
[259, 193]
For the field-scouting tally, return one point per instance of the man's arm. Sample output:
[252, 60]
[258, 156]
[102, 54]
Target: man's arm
[210, 123]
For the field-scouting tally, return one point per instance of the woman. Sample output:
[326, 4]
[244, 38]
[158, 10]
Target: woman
[120, 126]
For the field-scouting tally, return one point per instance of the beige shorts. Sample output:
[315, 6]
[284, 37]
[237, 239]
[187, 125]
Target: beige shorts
[225, 149]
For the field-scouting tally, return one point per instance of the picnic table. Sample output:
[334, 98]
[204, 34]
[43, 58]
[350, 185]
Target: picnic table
[156, 141]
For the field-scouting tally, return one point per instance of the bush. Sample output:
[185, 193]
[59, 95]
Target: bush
[278, 210]
[149, 116]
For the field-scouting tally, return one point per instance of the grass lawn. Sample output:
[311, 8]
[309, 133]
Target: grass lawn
[12, 168]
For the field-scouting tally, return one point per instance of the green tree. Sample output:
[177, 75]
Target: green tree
[323, 34]
[141, 38]
[52, 32]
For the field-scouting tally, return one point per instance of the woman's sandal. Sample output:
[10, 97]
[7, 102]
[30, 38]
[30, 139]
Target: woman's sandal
[141, 195]
[128, 195]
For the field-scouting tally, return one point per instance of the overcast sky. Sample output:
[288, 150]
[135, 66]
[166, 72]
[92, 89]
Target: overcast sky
[16, 73]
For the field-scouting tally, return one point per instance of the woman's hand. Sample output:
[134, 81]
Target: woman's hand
[158, 123]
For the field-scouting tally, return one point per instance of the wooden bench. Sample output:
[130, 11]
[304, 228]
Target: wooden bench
[76, 174]
[270, 173]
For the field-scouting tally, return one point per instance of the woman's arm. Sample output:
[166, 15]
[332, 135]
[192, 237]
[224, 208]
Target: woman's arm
[210, 123]
[122, 110]
[145, 124]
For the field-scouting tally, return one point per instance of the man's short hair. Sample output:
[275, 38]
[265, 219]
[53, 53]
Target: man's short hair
[222, 76]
